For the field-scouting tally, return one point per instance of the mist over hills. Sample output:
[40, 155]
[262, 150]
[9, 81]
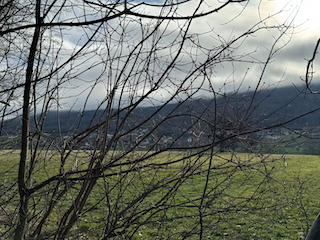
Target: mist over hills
[265, 107]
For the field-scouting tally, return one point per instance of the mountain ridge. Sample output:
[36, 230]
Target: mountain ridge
[271, 105]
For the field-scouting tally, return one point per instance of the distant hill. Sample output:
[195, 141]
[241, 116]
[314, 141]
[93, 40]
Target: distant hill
[268, 106]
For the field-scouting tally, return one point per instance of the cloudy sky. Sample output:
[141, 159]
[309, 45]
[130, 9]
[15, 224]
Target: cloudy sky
[289, 64]
[294, 56]
[287, 67]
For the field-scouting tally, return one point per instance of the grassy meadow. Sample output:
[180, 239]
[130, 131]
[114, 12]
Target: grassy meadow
[246, 197]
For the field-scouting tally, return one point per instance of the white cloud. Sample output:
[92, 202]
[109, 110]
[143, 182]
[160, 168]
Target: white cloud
[100, 66]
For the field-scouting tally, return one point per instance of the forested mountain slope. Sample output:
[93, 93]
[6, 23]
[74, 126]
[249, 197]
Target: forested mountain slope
[269, 107]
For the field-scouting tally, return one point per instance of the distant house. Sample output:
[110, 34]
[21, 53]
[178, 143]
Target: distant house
[273, 137]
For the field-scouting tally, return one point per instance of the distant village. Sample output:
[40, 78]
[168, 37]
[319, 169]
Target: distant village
[142, 139]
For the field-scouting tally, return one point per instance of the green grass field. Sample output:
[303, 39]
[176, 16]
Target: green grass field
[271, 197]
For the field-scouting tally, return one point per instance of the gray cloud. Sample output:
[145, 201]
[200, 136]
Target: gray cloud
[242, 65]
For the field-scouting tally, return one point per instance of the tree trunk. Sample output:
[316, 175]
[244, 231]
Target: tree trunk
[22, 183]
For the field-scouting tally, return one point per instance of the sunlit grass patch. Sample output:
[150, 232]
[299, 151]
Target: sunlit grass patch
[240, 196]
